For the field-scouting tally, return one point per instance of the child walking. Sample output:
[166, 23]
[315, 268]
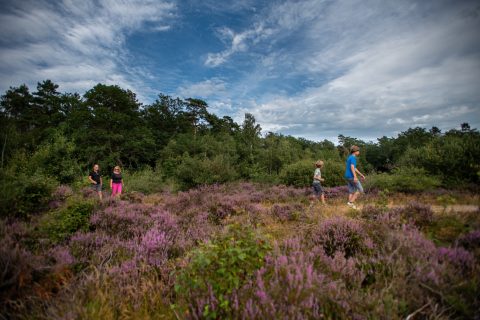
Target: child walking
[351, 171]
[116, 182]
[95, 178]
[317, 181]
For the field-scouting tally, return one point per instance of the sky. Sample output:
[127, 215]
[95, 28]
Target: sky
[312, 68]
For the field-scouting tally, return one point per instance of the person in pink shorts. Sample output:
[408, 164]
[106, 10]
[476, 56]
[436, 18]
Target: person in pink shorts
[116, 182]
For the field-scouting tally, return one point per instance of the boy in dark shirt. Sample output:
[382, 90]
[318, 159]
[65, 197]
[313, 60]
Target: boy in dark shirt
[95, 179]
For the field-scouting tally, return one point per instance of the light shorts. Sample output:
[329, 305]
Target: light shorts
[354, 186]
[97, 187]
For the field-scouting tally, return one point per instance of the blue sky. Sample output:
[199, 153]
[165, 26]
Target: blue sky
[309, 68]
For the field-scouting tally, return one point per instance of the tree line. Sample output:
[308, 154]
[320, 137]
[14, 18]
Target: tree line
[59, 136]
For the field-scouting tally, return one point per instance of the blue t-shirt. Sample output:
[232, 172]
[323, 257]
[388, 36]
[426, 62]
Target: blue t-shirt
[348, 171]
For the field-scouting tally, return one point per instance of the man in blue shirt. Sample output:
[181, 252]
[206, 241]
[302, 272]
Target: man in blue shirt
[351, 171]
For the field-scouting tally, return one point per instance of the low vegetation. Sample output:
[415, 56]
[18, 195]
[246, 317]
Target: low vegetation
[242, 250]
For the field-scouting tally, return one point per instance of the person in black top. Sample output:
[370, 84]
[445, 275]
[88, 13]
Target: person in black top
[116, 182]
[95, 178]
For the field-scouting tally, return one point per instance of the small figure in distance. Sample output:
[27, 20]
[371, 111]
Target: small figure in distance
[116, 182]
[317, 182]
[351, 171]
[95, 178]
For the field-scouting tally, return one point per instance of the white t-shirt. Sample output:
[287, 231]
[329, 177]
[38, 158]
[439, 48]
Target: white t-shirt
[317, 174]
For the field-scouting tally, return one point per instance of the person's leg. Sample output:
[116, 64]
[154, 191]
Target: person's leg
[322, 198]
[358, 190]
[100, 195]
[119, 188]
[354, 197]
[316, 191]
[351, 190]
[114, 189]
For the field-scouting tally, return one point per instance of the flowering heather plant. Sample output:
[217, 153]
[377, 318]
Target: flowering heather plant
[85, 245]
[62, 255]
[458, 257]
[287, 212]
[154, 246]
[62, 192]
[418, 213]
[372, 212]
[335, 192]
[341, 234]
[89, 193]
[289, 287]
[469, 241]
[123, 219]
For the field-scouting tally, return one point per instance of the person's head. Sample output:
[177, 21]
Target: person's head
[96, 167]
[117, 169]
[355, 150]
[319, 164]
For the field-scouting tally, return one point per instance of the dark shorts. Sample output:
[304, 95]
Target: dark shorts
[97, 187]
[317, 188]
[354, 186]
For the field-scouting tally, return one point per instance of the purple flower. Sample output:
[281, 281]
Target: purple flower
[458, 257]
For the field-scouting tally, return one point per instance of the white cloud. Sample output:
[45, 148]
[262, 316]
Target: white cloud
[203, 89]
[379, 71]
[76, 43]
[238, 42]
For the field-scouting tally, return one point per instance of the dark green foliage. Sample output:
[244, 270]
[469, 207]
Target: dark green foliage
[220, 267]
[454, 157]
[405, 179]
[298, 174]
[146, 181]
[24, 194]
[194, 171]
[60, 224]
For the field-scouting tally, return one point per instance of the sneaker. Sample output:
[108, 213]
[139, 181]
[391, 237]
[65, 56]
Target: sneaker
[352, 205]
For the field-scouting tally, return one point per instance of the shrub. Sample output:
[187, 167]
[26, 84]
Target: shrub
[146, 181]
[404, 179]
[193, 171]
[62, 223]
[22, 195]
[470, 241]
[341, 234]
[300, 173]
[216, 270]
[458, 257]
[446, 228]
[122, 219]
[417, 213]
[289, 287]
[287, 212]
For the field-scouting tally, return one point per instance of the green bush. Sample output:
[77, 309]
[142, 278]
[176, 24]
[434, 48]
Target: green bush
[56, 158]
[300, 173]
[404, 179]
[58, 225]
[221, 266]
[196, 171]
[146, 181]
[22, 194]
[452, 157]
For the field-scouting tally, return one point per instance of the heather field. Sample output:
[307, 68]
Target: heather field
[244, 251]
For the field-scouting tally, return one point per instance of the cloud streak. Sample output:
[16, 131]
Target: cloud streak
[374, 72]
[76, 43]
